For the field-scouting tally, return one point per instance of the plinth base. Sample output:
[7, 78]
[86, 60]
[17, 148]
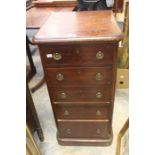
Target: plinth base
[84, 142]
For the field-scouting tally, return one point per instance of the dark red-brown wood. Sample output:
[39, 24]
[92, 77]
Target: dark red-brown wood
[74, 27]
[79, 75]
[81, 102]
[78, 55]
[96, 111]
[81, 93]
[36, 16]
[86, 129]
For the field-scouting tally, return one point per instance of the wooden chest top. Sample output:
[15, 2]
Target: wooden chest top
[73, 27]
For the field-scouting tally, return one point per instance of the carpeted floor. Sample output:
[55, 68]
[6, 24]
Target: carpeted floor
[44, 110]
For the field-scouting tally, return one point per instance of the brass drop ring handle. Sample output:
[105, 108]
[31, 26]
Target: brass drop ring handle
[99, 77]
[99, 95]
[99, 55]
[98, 112]
[63, 95]
[68, 131]
[66, 113]
[98, 131]
[57, 56]
[59, 77]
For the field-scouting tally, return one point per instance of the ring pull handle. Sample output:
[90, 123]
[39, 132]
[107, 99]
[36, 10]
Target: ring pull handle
[57, 56]
[59, 77]
[99, 55]
[99, 95]
[99, 77]
[98, 131]
[66, 113]
[98, 113]
[63, 95]
[68, 131]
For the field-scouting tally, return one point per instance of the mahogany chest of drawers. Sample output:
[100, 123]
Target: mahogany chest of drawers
[79, 54]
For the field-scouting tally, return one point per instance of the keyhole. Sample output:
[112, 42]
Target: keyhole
[121, 82]
[77, 52]
[79, 72]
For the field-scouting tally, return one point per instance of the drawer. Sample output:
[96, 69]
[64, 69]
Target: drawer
[79, 93]
[79, 75]
[85, 111]
[84, 129]
[78, 55]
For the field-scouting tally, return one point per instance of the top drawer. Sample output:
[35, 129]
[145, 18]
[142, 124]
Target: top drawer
[78, 55]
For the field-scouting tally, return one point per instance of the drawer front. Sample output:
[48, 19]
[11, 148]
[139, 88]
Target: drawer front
[78, 55]
[84, 129]
[78, 76]
[81, 94]
[76, 111]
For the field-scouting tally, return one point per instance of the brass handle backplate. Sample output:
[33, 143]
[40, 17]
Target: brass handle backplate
[99, 77]
[99, 55]
[99, 95]
[68, 131]
[59, 77]
[98, 131]
[66, 113]
[57, 56]
[98, 112]
[63, 95]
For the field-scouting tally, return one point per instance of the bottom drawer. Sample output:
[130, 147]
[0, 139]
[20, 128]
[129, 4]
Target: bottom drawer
[84, 129]
[77, 111]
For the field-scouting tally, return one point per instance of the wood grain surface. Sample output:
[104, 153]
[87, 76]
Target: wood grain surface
[67, 27]
[36, 16]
